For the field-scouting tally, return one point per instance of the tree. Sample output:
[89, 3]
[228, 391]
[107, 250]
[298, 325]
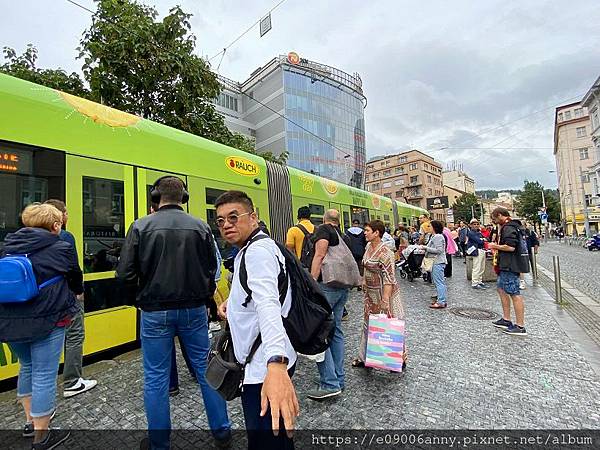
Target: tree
[529, 202]
[137, 64]
[24, 67]
[462, 208]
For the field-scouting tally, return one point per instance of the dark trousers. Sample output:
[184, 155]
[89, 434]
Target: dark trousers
[174, 376]
[448, 268]
[260, 429]
[212, 311]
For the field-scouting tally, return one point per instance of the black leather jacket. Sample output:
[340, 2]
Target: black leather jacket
[170, 257]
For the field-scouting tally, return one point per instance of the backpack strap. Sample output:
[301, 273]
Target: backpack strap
[282, 279]
[52, 280]
[303, 229]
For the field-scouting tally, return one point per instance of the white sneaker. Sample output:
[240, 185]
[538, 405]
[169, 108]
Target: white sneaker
[214, 326]
[522, 284]
[79, 387]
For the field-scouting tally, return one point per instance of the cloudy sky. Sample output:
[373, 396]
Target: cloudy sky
[469, 81]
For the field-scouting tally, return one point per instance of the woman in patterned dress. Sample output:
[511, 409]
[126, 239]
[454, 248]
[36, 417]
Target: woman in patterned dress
[380, 290]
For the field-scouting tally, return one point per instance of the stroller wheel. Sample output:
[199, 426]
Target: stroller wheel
[410, 277]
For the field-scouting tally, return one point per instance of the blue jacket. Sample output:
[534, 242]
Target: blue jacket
[475, 238]
[50, 256]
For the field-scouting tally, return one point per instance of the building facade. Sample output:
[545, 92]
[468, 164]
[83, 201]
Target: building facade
[591, 101]
[411, 177]
[575, 155]
[457, 179]
[325, 128]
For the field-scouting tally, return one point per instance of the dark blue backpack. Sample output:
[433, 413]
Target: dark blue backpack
[17, 280]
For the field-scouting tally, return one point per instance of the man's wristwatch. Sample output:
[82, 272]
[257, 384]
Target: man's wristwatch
[279, 359]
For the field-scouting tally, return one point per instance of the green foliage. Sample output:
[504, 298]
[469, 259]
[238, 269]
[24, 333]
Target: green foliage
[24, 67]
[529, 202]
[462, 208]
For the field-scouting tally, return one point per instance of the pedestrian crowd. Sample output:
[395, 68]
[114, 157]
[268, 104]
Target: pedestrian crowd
[273, 289]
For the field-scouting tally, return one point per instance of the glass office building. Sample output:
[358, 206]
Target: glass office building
[324, 129]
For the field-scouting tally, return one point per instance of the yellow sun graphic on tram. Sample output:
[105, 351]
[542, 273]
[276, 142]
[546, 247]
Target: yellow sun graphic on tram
[330, 186]
[101, 114]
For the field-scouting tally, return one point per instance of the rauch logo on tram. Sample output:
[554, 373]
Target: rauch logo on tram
[241, 165]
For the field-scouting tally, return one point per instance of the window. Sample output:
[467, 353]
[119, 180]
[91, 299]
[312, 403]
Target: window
[567, 115]
[595, 121]
[387, 194]
[402, 159]
[399, 182]
[560, 117]
[375, 186]
[211, 218]
[387, 173]
[27, 175]
[317, 210]
[429, 191]
[346, 220]
[376, 175]
[103, 223]
[412, 166]
[387, 184]
[399, 194]
[578, 112]
[583, 153]
[400, 169]
[426, 166]
[429, 178]
[580, 131]
[367, 178]
[414, 179]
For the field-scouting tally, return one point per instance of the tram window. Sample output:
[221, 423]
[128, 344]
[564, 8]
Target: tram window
[212, 195]
[386, 217]
[106, 293]
[27, 175]
[317, 221]
[346, 220]
[316, 209]
[103, 223]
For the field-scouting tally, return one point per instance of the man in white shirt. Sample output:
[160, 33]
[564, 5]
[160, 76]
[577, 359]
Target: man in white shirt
[268, 398]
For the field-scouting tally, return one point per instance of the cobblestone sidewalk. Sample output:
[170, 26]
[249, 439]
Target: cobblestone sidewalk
[462, 373]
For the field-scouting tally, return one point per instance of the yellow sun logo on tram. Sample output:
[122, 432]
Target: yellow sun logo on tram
[330, 186]
[101, 114]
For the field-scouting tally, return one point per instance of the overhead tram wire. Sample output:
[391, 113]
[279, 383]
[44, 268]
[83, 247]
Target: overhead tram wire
[489, 130]
[292, 122]
[348, 155]
[222, 52]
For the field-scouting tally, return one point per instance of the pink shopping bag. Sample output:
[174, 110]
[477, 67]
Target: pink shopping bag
[385, 343]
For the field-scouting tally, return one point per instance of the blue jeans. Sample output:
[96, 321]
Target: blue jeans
[157, 333]
[437, 274]
[174, 375]
[331, 370]
[39, 362]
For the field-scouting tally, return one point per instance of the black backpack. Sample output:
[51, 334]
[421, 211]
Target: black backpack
[309, 323]
[308, 247]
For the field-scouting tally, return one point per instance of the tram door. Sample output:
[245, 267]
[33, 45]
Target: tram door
[100, 201]
[345, 217]
[339, 208]
[145, 180]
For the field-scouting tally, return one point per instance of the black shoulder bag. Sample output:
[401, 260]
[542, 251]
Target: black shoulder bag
[224, 373]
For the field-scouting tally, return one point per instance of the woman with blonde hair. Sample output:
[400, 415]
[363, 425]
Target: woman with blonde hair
[35, 329]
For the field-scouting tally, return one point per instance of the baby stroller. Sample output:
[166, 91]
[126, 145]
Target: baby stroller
[410, 266]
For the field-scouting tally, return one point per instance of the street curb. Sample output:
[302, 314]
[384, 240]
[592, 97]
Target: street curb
[593, 305]
[576, 333]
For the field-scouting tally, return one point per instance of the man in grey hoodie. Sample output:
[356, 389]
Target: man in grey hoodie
[358, 243]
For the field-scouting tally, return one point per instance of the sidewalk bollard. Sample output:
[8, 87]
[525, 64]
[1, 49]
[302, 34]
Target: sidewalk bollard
[534, 272]
[557, 284]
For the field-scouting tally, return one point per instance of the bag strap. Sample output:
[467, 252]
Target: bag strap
[304, 230]
[52, 280]
[282, 279]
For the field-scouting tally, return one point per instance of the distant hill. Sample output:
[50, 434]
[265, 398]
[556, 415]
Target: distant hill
[493, 193]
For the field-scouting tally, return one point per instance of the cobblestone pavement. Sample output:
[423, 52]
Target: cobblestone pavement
[578, 266]
[462, 373]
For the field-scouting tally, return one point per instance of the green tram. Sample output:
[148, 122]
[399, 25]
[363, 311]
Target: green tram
[102, 162]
